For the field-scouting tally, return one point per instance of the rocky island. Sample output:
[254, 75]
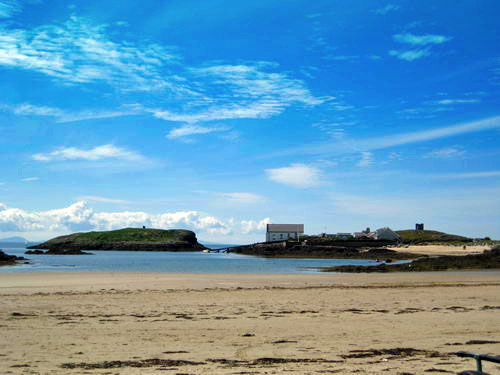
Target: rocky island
[132, 239]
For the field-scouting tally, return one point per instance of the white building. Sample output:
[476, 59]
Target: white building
[282, 232]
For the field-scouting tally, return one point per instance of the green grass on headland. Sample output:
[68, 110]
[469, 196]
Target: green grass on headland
[422, 236]
[134, 234]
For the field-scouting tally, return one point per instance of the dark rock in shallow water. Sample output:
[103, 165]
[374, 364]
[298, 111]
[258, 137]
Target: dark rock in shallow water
[57, 252]
[8, 260]
[130, 239]
[489, 259]
[326, 249]
[34, 252]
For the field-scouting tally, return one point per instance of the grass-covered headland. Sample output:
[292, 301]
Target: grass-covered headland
[139, 239]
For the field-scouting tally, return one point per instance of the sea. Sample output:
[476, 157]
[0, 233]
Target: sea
[171, 262]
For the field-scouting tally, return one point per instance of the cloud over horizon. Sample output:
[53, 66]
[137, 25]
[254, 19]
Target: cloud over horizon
[80, 217]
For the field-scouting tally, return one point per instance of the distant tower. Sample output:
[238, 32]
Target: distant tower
[419, 226]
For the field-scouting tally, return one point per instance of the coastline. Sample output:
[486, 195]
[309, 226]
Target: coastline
[70, 323]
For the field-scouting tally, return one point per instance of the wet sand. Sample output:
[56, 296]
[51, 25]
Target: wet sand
[133, 323]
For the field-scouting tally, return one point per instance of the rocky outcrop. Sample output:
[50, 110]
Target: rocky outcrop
[489, 259]
[310, 249]
[130, 239]
[57, 252]
[9, 260]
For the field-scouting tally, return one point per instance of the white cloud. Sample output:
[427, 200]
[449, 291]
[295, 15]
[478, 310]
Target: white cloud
[388, 8]
[445, 153]
[251, 226]
[93, 154]
[242, 197]
[30, 179]
[296, 175]
[80, 217]
[410, 55]
[93, 198]
[367, 159]
[420, 40]
[188, 130]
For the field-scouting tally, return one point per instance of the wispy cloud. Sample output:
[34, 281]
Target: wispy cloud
[454, 101]
[78, 51]
[93, 198]
[189, 130]
[347, 145]
[246, 91]
[97, 153]
[9, 7]
[296, 175]
[367, 159]
[410, 55]
[63, 116]
[416, 40]
[30, 179]
[81, 52]
[445, 153]
[420, 40]
[341, 57]
[242, 197]
[485, 174]
[388, 8]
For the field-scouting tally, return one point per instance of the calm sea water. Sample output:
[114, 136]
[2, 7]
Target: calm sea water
[181, 262]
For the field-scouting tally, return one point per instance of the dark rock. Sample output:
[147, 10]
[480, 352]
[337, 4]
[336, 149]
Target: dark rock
[349, 249]
[489, 259]
[34, 252]
[9, 260]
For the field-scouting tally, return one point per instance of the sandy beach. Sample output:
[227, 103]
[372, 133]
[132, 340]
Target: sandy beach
[133, 323]
[436, 250]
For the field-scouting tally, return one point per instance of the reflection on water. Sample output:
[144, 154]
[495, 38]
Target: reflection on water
[182, 262]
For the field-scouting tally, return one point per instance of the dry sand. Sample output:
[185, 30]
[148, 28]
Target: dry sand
[229, 324]
[442, 249]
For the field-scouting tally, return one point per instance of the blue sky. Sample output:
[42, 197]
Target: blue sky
[221, 116]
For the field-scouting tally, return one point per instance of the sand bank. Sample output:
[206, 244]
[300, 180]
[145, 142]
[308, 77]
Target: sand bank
[442, 249]
[72, 323]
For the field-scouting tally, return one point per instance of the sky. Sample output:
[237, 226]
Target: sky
[222, 116]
